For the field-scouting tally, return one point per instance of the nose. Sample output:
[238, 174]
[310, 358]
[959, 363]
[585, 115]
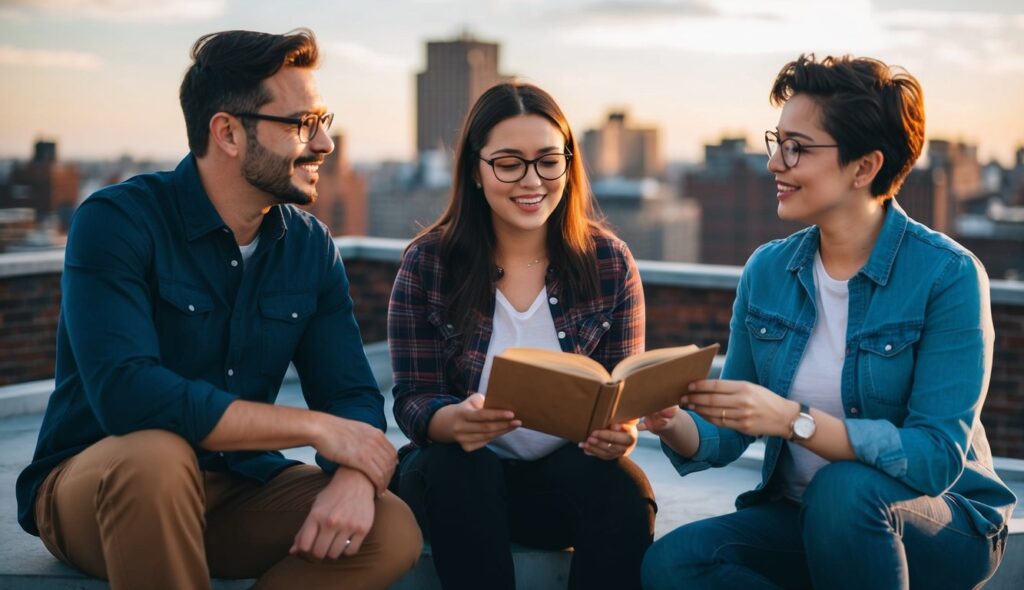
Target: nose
[775, 163]
[321, 142]
[532, 177]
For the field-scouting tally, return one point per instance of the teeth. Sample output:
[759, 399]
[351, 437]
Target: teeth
[785, 187]
[532, 201]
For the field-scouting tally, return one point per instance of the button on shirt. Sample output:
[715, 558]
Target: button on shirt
[161, 328]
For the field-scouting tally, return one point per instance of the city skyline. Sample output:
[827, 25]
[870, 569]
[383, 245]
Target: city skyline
[101, 77]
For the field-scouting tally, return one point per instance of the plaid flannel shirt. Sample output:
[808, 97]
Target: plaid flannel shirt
[435, 365]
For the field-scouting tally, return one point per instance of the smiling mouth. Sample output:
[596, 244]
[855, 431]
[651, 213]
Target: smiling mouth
[528, 200]
[785, 189]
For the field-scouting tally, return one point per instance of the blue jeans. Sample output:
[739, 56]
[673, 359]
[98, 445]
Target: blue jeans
[856, 528]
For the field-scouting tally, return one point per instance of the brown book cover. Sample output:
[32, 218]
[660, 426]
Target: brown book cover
[571, 395]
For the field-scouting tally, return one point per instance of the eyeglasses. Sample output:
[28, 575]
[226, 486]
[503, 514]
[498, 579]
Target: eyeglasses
[307, 124]
[791, 148]
[513, 168]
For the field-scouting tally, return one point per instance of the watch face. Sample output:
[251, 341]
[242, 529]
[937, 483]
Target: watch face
[803, 427]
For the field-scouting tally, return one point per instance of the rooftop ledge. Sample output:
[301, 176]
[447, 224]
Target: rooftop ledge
[683, 274]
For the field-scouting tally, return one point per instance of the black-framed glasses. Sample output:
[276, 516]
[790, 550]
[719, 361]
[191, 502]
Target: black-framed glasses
[513, 168]
[791, 148]
[307, 125]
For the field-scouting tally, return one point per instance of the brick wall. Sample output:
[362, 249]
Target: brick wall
[685, 303]
[29, 306]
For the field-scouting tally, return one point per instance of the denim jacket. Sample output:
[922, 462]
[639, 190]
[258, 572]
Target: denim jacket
[918, 358]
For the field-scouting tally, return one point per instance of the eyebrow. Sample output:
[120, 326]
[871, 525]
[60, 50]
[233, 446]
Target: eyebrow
[317, 110]
[788, 134]
[515, 152]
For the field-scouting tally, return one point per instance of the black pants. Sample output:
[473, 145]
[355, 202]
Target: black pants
[472, 505]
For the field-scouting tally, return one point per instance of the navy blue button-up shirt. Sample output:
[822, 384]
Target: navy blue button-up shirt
[163, 325]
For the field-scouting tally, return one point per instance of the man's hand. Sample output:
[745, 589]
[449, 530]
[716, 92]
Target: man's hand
[359, 446]
[470, 424]
[339, 520]
[611, 443]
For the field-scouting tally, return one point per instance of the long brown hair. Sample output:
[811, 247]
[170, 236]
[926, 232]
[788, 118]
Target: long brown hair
[467, 241]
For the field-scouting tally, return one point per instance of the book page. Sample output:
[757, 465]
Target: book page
[563, 362]
[652, 357]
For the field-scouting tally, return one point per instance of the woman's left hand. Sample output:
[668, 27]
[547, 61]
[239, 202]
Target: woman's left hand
[741, 406]
[611, 443]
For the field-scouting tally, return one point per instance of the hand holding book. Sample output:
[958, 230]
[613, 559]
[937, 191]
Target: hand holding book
[571, 396]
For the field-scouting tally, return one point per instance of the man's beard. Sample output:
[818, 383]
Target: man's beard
[271, 173]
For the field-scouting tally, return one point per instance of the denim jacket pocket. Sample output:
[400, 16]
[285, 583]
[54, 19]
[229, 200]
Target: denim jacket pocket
[283, 321]
[767, 335]
[886, 363]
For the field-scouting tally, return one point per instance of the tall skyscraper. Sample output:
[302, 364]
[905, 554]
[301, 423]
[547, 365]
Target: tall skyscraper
[620, 149]
[457, 73]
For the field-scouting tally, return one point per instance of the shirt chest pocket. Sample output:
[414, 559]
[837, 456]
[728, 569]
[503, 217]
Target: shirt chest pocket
[590, 331]
[767, 336]
[886, 363]
[283, 320]
[184, 319]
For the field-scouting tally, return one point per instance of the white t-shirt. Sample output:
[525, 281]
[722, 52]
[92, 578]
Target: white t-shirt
[818, 378]
[533, 328]
[249, 249]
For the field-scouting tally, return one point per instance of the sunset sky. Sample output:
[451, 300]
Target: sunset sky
[101, 76]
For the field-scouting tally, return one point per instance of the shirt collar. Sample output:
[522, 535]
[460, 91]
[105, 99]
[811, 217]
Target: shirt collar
[199, 214]
[879, 264]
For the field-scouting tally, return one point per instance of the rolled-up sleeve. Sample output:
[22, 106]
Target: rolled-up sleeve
[107, 310]
[952, 367]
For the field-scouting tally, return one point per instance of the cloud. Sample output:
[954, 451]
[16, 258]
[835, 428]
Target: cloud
[362, 56]
[125, 10]
[49, 58]
[741, 28]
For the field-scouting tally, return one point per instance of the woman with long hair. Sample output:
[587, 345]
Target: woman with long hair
[860, 349]
[518, 259]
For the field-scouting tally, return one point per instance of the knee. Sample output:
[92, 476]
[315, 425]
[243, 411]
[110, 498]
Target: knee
[396, 533]
[155, 460]
[841, 497]
[627, 498]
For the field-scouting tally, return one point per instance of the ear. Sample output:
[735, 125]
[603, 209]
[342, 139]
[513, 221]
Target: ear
[227, 134]
[866, 169]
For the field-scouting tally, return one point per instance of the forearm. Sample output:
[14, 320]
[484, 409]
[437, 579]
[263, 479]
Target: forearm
[830, 440]
[440, 427]
[682, 436]
[257, 426]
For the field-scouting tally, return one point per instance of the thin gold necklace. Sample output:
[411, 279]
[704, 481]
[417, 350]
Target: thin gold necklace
[535, 262]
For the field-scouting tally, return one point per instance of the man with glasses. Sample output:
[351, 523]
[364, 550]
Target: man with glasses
[186, 295]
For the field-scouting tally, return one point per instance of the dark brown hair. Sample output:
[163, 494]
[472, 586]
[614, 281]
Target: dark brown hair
[227, 74]
[467, 240]
[865, 105]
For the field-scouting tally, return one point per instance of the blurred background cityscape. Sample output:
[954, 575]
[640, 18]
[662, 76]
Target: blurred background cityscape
[671, 130]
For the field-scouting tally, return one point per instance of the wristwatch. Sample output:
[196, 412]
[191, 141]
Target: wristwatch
[803, 426]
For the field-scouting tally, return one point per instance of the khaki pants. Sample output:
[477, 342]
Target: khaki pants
[137, 511]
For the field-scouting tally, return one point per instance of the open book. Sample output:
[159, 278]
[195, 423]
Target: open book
[571, 395]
